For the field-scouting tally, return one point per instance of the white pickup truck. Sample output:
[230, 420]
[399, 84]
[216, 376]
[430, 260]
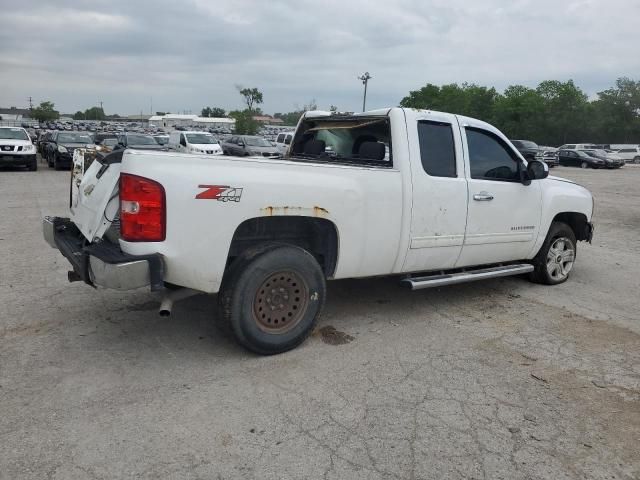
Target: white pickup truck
[431, 197]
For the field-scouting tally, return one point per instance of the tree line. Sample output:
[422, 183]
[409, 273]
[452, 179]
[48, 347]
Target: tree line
[553, 113]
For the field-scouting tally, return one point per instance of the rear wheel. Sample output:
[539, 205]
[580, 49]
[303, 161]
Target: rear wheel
[556, 257]
[273, 295]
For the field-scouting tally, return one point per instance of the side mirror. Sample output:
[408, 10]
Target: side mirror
[241, 144]
[537, 170]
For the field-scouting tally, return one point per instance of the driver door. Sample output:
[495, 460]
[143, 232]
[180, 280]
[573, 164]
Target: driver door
[503, 215]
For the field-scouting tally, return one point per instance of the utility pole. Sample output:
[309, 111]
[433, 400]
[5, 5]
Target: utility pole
[365, 80]
[30, 103]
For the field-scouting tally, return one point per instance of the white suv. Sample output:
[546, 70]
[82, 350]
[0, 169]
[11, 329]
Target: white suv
[630, 154]
[16, 148]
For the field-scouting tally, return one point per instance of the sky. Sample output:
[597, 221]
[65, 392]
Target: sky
[182, 55]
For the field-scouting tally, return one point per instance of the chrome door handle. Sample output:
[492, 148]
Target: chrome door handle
[483, 197]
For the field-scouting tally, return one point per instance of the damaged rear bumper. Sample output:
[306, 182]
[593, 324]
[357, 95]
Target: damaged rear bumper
[102, 264]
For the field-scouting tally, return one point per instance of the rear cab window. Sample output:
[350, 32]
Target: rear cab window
[344, 139]
[437, 148]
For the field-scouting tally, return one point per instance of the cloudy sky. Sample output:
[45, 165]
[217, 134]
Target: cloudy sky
[185, 54]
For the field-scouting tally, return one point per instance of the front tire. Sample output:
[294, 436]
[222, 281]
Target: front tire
[556, 257]
[636, 160]
[273, 295]
[584, 165]
[33, 166]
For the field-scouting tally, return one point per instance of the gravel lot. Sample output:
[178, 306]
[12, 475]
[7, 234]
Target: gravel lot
[502, 379]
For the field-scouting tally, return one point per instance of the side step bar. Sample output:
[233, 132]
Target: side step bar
[438, 280]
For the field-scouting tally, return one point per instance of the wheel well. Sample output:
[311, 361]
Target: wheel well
[316, 235]
[577, 221]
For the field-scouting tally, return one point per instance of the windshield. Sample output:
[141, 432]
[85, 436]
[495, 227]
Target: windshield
[109, 142]
[13, 134]
[256, 142]
[141, 140]
[200, 138]
[74, 138]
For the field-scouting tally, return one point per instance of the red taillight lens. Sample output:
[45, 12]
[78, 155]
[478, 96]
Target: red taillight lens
[142, 209]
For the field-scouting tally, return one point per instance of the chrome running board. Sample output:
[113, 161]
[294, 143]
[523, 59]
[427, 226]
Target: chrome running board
[441, 279]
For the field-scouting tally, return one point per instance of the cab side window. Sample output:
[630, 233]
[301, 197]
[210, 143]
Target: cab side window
[280, 138]
[437, 148]
[490, 158]
[183, 141]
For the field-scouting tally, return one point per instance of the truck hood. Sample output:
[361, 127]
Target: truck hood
[9, 141]
[560, 179]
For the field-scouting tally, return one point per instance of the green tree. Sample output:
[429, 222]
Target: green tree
[520, 113]
[245, 124]
[45, 112]
[616, 113]
[94, 113]
[78, 115]
[252, 96]
[215, 112]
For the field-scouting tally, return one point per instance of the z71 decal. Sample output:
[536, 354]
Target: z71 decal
[221, 193]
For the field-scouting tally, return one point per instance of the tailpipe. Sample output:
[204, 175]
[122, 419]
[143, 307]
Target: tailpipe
[166, 304]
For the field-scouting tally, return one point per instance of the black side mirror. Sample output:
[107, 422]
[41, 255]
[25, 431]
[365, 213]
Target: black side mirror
[537, 170]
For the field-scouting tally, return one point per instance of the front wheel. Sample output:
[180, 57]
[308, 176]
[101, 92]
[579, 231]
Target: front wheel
[584, 165]
[636, 160]
[273, 295]
[556, 257]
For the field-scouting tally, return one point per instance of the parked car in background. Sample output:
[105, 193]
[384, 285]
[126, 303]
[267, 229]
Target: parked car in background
[629, 154]
[283, 140]
[61, 145]
[578, 158]
[527, 148]
[100, 136]
[16, 148]
[194, 142]
[549, 155]
[137, 141]
[578, 146]
[611, 160]
[247, 145]
[162, 139]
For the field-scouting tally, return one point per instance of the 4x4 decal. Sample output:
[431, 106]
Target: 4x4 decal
[221, 193]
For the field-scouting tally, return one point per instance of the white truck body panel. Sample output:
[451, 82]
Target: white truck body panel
[363, 204]
[388, 220]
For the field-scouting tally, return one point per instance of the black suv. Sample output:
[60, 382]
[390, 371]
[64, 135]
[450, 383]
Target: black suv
[527, 148]
[59, 147]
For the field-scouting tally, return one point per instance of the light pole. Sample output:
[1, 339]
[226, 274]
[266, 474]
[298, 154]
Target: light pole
[365, 79]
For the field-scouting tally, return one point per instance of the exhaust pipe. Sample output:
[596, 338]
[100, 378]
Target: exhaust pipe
[166, 304]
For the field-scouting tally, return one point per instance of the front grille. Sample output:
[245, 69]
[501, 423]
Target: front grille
[7, 148]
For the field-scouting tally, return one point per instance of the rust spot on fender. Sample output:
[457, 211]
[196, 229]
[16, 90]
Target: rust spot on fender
[315, 211]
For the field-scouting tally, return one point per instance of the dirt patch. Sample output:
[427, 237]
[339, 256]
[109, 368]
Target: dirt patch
[331, 336]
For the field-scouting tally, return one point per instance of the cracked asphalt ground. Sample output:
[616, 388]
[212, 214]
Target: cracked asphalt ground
[501, 379]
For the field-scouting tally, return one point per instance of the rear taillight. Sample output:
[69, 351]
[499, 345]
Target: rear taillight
[142, 209]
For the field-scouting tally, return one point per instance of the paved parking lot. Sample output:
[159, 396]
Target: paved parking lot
[502, 379]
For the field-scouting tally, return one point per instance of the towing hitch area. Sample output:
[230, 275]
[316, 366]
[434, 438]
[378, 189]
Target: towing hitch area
[166, 304]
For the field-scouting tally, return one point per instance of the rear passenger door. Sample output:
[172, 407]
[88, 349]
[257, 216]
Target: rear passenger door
[439, 210]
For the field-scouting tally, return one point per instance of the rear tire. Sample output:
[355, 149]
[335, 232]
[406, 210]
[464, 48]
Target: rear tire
[556, 257]
[272, 295]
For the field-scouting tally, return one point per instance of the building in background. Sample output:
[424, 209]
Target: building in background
[171, 120]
